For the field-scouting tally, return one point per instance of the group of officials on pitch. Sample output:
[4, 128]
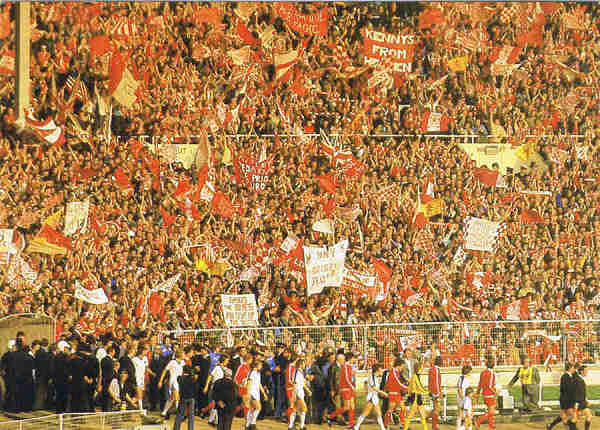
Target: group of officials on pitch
[573, 401]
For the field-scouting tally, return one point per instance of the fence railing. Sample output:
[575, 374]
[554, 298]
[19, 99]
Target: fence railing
[465, 138]
[96, 421]
[543, 341]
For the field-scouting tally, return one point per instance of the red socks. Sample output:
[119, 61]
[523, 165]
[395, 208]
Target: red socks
[351, 416]
[336, 413]
[434, 420]
[387, 418]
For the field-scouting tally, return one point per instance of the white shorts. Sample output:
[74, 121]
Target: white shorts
[255, 395]
[300, 393]
[373, 398]
[140, 381]
[174, 386]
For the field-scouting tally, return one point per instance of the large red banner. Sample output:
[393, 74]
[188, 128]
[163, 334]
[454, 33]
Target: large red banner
[397, 49]
[314, 24]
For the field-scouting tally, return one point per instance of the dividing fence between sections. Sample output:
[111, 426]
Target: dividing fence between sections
[544, 342]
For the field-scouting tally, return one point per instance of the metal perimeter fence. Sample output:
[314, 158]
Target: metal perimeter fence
[545, 342]
[95, 421]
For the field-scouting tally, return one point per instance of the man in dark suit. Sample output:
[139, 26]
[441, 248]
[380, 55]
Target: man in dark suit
[24, 367]
[201, 364]
[8, 369]
[319, 390]
[126, 362]
[224, 396]
[42, 375]
[80, 379]
[282, 360]
[154, 369]
[107, 369]
[61, 374]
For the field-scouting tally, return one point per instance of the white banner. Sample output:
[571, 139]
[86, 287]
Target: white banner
[239, 310]
[324, 267]
[175, 152]
[76, 217]
[324, 226]
[289, 244]
[482, 234]
[168, 285]
[6, 238]
[95, 297]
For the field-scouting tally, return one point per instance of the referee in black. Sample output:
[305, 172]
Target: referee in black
[567, 397]
[581, 405]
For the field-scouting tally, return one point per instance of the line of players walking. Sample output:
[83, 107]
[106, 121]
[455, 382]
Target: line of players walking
[404, 397]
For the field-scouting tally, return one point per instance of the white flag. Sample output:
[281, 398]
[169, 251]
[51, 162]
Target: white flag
[168, 285]
[76, 217]
[95, 297]
[482, 234]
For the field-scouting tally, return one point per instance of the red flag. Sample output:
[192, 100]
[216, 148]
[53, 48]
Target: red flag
[5, 21]
[329, 207]
[531, 217]
[168, 219]
[46, 130]
[99, 45]
[297, 86]
[121, 179]
[431, 18]
[384, 273]
[517, 310]
[222, 205]
[183, 187]
[55, 237]
[210, 15]
[95, 223]
[245, 34]
[327, 182]
[434, 122]
[486, 176]
[505, 54]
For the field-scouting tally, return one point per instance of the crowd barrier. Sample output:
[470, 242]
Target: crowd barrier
[547, 342]
[462, 138]
[121, 420]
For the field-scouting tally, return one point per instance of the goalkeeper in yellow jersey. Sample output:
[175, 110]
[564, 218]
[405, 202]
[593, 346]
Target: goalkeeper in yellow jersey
[416, 391]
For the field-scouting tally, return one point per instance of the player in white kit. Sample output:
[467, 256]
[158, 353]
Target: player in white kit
[461, 394]
[300, 390]
[373, 393]
[255, 389]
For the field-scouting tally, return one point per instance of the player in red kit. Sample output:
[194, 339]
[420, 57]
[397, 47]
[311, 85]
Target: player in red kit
[241, 382]
[487, 389]
[435, 389]
[396, 386]
[346, 389]
[290, 385]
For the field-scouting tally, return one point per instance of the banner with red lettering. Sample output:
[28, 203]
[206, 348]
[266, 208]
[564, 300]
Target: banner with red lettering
[252, 172]
[314, 24]
[399, 49]
[360, 283]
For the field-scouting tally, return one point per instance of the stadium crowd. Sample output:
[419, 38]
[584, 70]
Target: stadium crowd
[108, 73]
